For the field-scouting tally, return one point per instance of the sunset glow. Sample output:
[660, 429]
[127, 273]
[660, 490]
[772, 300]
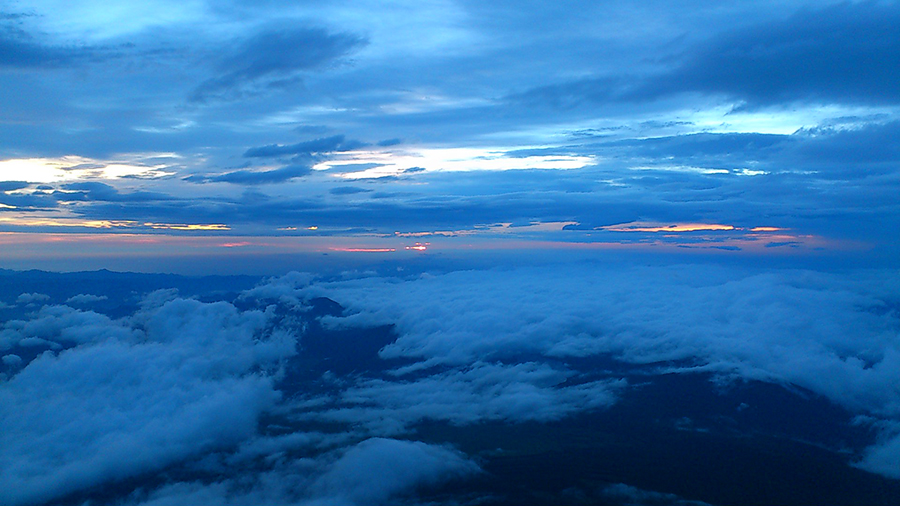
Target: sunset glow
[651, 227]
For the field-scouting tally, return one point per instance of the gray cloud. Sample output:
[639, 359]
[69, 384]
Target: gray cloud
[7, 186]
[255, 177]
[791, 60]
[18, 50]
[86, 299]
[408, 463]
[348, 190]
[469, 395]
[764, 64]
[32, 298]
[345, 478]
[97, 191]
[307, 148]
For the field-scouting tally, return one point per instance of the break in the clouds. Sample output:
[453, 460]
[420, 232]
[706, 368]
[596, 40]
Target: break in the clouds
[362, 121]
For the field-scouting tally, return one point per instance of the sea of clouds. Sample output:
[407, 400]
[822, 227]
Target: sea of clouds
[189, 397]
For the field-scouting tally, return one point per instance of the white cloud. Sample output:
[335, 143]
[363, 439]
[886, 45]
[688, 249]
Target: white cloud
[884, 457]
[482, 392]
[834, 334]
[127, 401]
[32, 298]
[66, 326]
[789, 326]
[371, 472]
[401, 464]
[85, 299]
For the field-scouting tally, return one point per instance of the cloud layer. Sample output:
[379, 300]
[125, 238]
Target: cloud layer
[282, 396]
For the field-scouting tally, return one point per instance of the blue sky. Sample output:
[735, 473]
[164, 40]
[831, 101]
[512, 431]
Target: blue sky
[749, 129]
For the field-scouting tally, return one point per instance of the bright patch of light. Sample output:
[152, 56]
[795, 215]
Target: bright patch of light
[394, 163]
[749, 172]
[180, 226]
[657, 227]
[682, 168]
[71, 168]
[725, 119]
[364, 250]
[34, 170]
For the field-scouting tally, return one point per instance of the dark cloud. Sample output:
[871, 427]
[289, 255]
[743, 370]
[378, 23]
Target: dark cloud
[8, 186]
[254, 177]
[846, 53]
[348, 190]
[274, 56]
[850, 149]
[88, 191]
[18, 50]
[849, 52]
[307, 148]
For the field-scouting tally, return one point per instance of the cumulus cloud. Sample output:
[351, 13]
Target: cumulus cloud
[11, 360]
[372, 472]
[67, 326]
[405, 464]
[86, 299]
[134, 396]
[884, 457]
[32, 298]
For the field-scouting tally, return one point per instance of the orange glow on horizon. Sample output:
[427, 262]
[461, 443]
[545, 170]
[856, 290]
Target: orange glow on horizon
[364, 250]
[656, 227]
[180, 226]
[419, 246]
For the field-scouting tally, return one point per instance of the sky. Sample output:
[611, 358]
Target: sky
[593, 252]
[141, 136]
